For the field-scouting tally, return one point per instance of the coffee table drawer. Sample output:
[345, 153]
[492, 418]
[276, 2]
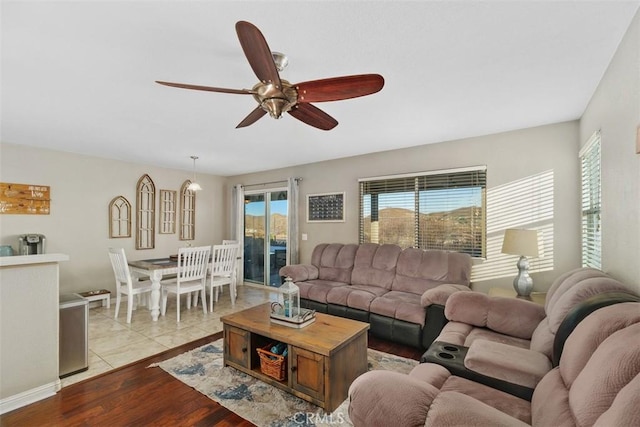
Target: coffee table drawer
[236, 349]
[307, 372]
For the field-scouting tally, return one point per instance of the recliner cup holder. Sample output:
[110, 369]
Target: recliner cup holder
[444, 355]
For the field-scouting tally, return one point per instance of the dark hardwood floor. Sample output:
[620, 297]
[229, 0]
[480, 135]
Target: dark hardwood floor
[135, 395]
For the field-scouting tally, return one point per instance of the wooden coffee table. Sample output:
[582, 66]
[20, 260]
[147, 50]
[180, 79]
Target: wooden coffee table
[323, 358]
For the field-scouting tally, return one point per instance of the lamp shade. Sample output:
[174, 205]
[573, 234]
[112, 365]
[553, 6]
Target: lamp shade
[518, 241]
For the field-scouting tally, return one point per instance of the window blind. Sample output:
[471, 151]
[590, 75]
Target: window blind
[431, 210]
[591, 202]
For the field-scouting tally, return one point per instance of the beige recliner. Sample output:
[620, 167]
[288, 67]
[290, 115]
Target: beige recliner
[512, 339]
[596, 383]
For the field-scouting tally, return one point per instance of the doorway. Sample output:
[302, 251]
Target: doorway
[265, 235]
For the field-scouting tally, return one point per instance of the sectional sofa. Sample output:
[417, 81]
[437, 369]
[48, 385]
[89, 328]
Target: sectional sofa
[400, 292]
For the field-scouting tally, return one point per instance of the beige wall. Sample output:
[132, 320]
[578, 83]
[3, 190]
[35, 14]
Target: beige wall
[509, 157]
[81, 186]
[615, 110]
[81, 189]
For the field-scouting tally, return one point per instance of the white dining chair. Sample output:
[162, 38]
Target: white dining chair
[231, 242]
[125, 285]
[191, 277]
[223, 271]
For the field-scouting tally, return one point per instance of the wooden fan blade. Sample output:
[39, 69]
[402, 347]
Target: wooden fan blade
[313, 116]
[258, 54]
[253, 117]
[207, 88]
[338, 88]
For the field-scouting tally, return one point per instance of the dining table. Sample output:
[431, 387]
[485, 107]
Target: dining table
[155, 269]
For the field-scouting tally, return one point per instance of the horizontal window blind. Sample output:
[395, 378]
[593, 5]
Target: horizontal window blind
[591, 202]
[430, 210]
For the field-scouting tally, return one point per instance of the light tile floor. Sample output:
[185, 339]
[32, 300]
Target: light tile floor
[114, 342]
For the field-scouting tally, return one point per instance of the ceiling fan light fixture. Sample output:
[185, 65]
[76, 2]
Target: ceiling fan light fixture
[194, 186]
[280, 59]
[276, 107]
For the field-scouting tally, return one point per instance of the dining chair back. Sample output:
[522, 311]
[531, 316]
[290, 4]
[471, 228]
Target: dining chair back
[223, 271]
[191, 277]
[125, 283]
[233, 242]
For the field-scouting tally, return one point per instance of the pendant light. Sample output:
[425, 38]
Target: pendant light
[194, 186]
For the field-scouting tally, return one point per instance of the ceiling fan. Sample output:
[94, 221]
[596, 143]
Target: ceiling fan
[276, 96]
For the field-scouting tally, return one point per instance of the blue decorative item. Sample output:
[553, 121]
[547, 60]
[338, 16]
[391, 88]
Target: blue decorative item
[287, 304]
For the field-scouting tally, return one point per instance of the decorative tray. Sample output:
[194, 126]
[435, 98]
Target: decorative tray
[297, 319]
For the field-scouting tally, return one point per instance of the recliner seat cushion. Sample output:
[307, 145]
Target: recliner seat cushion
[399, 305]
[317, 290]
[355, 296]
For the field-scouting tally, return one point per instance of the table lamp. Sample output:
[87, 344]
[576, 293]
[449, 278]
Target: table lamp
[524, 243]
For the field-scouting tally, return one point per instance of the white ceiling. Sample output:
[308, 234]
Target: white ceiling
[79, 76]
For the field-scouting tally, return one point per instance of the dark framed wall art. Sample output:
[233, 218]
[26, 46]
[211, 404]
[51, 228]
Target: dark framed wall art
[325, 207]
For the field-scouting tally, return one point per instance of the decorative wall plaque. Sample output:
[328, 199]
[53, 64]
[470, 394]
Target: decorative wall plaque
[119, 218]
[24, 199]
[168, 211]
[325, 207]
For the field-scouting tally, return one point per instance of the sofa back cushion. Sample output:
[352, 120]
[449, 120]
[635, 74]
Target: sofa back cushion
[598, 377]
[375, 265]
[419, 270]
[334, 261]
[573, 290]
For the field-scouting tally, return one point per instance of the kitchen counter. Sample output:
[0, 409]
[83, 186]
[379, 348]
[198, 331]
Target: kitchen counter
[6, 261]
[29, 310]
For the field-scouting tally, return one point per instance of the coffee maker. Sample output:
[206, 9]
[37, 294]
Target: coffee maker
[31, 244]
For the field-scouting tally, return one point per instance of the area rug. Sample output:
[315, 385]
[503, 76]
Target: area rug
[256, 401]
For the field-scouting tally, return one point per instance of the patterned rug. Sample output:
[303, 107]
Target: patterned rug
[252, 399]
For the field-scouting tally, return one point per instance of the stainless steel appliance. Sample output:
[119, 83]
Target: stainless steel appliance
[74, 334]
[31, 244]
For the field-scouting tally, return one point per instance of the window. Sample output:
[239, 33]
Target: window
[431, 210]
[187, 212]
[591, 231]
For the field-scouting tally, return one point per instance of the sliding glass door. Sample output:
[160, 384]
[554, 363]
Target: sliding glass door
[265, 235]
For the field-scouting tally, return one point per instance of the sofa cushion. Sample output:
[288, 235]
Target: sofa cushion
[419, 270]
[317, 290]
[334, 261]
[375, 265]
[399, 305]
[355, 296]
[582, 285]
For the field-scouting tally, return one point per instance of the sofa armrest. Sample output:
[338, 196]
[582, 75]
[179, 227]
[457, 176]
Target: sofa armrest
[509, 316]
[382, 398]
[299, 272]
[440, 294]
[507, 363]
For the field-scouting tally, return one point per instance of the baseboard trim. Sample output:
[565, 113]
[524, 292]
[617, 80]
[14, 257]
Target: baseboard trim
[29, 396]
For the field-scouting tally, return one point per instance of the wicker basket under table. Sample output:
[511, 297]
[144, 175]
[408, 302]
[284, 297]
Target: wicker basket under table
[271, 364]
